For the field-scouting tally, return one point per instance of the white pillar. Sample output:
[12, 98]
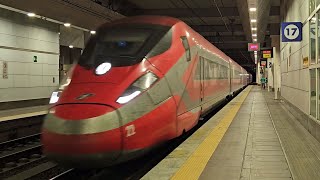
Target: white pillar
[275, 43]
[258, 73]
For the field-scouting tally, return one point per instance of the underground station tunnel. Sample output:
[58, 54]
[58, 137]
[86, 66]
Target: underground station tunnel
[170, 89]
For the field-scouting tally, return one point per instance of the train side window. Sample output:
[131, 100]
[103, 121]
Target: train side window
[186, 47]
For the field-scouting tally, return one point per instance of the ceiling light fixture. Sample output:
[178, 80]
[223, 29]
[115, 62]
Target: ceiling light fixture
[71, 46]
[254, 29]
[253, 20]
[253, 9]
[92, 32]
[254, 35]
[67, 24]
[31, 14]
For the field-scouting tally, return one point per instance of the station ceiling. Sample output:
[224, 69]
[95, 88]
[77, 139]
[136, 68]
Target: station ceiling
[225, 23]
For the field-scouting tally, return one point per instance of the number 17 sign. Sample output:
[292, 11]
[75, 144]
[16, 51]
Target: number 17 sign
[291, 31]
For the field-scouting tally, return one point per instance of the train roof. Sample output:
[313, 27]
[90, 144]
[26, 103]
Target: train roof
[167, 21]
[159, 20]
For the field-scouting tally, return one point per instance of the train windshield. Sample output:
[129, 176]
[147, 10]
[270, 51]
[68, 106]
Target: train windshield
[122, 45]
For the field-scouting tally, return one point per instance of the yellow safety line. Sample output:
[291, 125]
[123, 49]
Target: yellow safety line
[196, 163]
[7, 118]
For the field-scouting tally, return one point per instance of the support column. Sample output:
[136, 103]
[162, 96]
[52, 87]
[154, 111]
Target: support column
[258, 76]
[275, 43]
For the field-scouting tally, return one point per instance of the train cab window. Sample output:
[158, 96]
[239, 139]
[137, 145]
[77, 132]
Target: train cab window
[186, 46]
[163, 45]
[123, 44]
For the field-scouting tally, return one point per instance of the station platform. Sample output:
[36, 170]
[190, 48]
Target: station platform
[252, 137]
[18, 113]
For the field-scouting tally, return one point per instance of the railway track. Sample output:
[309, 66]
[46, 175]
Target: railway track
[18, 154]
[17, 128]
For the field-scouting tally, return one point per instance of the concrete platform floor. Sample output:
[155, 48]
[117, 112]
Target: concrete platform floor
[262, 141]
[12, 114]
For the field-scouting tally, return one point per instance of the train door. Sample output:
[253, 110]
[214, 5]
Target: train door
[201, 80]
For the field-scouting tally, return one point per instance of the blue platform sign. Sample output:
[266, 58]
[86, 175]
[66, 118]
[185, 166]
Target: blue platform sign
[291, 31]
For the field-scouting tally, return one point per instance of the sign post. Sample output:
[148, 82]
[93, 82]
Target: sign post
[275, 79]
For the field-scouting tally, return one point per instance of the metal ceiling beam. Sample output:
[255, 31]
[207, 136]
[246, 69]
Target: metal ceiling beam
[231, 46]
[229, 42]
[264, 11]
[244, 16]
[225, 38]
[185, 12]
[215, 28]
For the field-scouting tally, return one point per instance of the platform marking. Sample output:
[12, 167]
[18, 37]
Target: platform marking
[19, 116]
[196, 163]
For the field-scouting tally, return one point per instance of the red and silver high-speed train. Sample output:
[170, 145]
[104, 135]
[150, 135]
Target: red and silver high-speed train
[140, 81]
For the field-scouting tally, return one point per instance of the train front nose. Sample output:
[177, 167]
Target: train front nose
[82, 135]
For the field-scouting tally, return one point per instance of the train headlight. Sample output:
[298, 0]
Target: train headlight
[64, 83]
[127, 98]
[103, 68]
[140, 85]
[54, 97]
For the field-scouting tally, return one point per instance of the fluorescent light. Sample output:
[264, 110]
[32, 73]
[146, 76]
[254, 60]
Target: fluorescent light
[254, 29]
[92, 32]
[254, 35]
[67, 24]
[70, 46]
[253, 20]
[127, 98]
[253, 9]
[31, 14]
[255, 52]
[254, 39]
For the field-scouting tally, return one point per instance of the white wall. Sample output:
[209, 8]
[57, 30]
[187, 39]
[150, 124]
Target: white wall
[22, 38]
[295, 78]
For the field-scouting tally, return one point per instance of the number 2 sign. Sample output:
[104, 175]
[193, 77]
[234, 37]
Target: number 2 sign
[291, 31]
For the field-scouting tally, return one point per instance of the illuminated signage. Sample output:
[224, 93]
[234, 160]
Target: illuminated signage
[267, 53]
[253, 47]
[263, 62]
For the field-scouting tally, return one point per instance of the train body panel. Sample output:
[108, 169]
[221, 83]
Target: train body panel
[153, 92]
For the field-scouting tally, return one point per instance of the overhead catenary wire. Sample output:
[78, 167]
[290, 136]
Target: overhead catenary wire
[193, 12]
[215, 3]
